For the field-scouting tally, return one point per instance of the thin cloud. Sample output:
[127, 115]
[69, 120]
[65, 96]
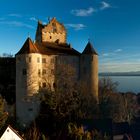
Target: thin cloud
[105, 5]
[33, 19]
[14, 15]
[83, 12]
[110, 54]
[17, 24]
[105, 54]
[118, 50]
[76, 26]
[115, 52]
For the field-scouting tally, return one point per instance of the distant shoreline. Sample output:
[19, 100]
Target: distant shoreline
[120, 74]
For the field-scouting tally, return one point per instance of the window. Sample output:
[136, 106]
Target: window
[43, 60]
[39, 72]
[52, 71]
[43, 71]
[52, 60]
[54, 85]
[54, 27]
[91, 58]
[50, 37]
[29, 59]
[39, 84]
[30, 109]
[44, 85]
[38, 60]
[24, 71]
[53, 24]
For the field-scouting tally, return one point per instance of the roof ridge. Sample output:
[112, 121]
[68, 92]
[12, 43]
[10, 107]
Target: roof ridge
[89, 49]
[28, 47]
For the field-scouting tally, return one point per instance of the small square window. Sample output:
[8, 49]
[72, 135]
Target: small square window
[43, 71]
[30, 109]
[43, 60]
[54, 85]
[38, 60]
[39, 72]
[24, 71]
[39, 84]
[52, 60]
[52, 71]
[29, 59]
[91, 58]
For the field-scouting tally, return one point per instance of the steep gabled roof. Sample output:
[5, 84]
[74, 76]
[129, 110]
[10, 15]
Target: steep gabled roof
[28, 47]
[47, 48]
[89, 49]
[10, 133]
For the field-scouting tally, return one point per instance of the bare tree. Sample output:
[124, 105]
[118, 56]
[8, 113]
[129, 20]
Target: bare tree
[119, 107]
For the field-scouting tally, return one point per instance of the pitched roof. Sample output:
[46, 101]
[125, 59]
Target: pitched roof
[89, 49]
[47, 48]
[11, 133]
[28, 47]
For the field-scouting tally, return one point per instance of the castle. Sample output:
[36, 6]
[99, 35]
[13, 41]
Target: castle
[42, 58]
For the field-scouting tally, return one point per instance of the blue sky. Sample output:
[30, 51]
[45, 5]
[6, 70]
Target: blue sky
[113, 26]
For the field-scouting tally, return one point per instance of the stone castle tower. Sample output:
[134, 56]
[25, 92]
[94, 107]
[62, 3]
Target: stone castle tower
[89, 68]
[38, 62]
[53, 32]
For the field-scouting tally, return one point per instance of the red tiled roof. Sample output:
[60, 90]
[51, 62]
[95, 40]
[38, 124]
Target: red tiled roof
[47, 48]
[28, 47]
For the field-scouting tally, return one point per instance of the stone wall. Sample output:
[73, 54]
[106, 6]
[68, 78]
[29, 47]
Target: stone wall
[89, 74]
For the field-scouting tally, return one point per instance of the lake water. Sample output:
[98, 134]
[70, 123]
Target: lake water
[126, 83]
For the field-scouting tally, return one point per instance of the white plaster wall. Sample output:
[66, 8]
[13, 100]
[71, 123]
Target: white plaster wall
[10, 135]
[27, 86]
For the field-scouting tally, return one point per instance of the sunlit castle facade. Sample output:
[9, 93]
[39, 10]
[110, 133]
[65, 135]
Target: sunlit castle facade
[38, 62]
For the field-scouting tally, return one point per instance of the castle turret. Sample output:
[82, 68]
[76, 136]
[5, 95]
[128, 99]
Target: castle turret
[89, 70]
[27, 81]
